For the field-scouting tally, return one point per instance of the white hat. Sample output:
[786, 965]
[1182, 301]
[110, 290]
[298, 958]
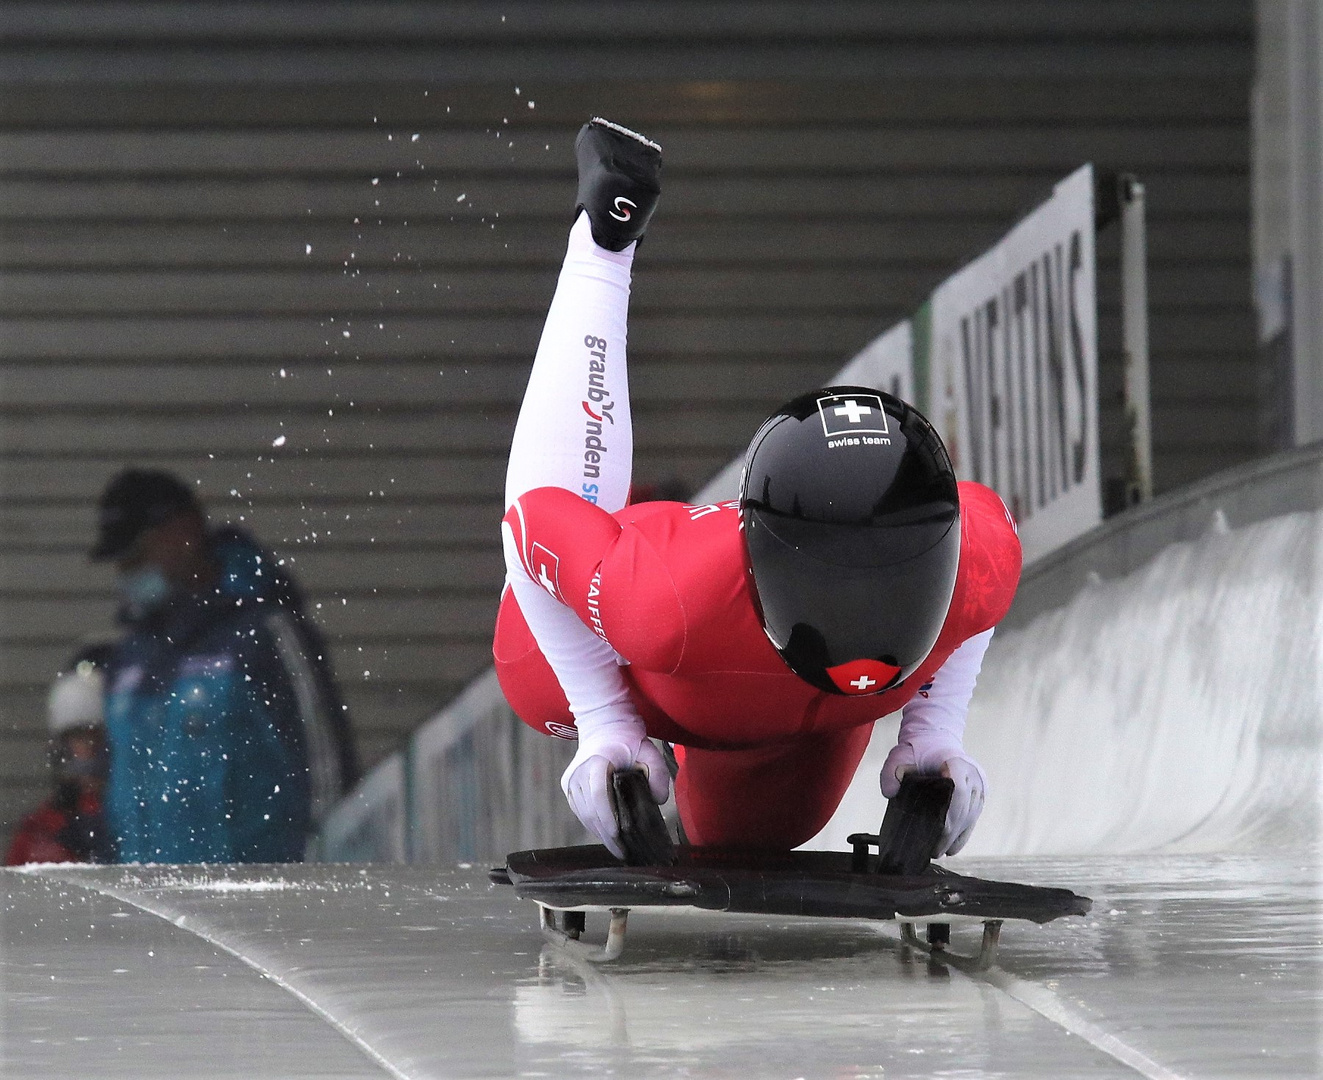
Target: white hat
[76, 700]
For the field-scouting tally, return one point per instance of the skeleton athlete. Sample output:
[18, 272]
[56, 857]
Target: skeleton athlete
[762, 637]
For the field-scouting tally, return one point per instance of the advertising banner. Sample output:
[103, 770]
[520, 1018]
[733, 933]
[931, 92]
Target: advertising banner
[1012, 369]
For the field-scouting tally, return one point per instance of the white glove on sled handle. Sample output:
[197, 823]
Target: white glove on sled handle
[942, 759]
[603, 748]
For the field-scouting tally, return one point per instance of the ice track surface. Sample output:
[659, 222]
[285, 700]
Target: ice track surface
[1189, 967]
[1131, 759]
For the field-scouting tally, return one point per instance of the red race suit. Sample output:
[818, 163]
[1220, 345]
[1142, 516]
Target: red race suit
[767, 756]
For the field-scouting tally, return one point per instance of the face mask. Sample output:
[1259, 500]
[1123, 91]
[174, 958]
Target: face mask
[143, 590]
[79, 760]
[68, 767]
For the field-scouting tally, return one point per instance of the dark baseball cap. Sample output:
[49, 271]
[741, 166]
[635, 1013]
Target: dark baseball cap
[133, 502]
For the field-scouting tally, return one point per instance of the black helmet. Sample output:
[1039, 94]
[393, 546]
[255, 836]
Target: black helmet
[852, 526]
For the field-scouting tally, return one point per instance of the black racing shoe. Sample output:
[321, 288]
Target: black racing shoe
[619, 181]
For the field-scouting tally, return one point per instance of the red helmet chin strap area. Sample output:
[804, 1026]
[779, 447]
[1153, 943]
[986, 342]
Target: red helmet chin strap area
[863, 676]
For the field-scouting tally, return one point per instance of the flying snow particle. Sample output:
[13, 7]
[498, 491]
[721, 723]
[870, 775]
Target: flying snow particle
[532, 104]
[279, 440]
[413, 137]
[463, 195]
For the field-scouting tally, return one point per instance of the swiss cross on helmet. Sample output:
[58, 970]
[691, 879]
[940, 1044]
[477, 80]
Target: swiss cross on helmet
[852, 527]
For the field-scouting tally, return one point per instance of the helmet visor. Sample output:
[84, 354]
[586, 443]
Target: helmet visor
[853, 598]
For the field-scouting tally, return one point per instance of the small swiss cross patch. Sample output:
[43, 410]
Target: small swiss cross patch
[863, 676]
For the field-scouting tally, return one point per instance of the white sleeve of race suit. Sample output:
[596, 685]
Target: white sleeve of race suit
[586, 667]
[931, 740]
[936, 714]
[612, 735]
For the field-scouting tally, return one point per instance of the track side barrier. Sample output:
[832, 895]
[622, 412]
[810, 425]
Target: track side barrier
[472, 782]
[1162, 686]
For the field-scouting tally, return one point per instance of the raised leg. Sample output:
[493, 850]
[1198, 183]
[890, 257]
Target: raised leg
[574, 429]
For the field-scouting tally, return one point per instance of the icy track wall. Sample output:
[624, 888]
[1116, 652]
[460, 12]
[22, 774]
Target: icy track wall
[1175, 708]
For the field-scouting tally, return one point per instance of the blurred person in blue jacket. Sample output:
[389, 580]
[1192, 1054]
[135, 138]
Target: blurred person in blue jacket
[228, 741]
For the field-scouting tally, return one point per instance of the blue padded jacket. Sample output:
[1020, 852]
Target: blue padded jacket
[227, 738]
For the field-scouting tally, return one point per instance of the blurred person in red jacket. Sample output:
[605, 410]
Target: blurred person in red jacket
[69, 826]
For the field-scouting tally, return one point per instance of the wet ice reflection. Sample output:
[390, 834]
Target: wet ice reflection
[1203, 964]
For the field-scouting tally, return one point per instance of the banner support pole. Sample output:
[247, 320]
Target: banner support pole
[1134, 339]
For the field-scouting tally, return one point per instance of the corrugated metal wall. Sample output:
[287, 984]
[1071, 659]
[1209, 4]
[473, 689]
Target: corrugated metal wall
[339, 223]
